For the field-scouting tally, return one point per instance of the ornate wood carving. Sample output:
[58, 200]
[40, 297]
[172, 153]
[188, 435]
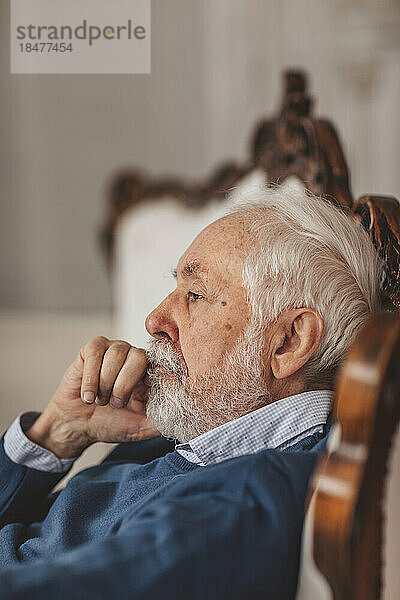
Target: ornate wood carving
[380, 216]
[349, 483]
[297, 143]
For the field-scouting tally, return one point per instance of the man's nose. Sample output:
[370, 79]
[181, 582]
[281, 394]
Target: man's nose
[161, 324]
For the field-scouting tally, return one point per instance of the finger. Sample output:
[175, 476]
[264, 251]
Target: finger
[92, 355]
[113, 361]
[73, 375]
[140, 393]
[129, 376]
[145, 434]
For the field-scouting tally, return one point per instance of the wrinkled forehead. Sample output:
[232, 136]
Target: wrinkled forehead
[219, 249]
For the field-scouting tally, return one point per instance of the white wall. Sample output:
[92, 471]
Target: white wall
[61, 136]
[351, 49]
[36, 349]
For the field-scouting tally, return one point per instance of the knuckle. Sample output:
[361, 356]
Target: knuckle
[98, 343]
[89, 380]
[121, 343]
[120, 349]
[94, 354]
[101, 340]
[138, 354]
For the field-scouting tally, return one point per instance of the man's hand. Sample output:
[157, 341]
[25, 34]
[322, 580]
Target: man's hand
[101, 398]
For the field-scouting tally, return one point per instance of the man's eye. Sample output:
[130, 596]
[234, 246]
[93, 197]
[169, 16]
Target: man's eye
[193, 297]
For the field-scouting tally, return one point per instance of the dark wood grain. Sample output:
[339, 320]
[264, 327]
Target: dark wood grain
[380, 216]
[349, 483]
[295, 142]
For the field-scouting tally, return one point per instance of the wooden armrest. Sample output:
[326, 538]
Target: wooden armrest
[349, 483]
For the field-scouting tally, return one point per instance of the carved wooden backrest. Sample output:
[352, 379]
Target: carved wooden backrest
[350, 483]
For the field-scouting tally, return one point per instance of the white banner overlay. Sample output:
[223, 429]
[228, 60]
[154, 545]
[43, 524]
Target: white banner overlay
[80, 36]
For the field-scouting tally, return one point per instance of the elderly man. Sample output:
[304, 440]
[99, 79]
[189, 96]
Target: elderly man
[237, 380]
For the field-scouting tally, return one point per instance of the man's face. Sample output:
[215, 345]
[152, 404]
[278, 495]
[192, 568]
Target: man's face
[207, 312]
[206, 363]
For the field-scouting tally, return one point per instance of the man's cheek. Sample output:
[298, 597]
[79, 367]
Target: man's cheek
[206, 348]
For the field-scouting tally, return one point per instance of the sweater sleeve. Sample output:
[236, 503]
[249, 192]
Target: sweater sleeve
[23, 451]
[203, 539]
[23, 490]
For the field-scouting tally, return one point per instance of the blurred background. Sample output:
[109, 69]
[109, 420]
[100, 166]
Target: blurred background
[216, 70]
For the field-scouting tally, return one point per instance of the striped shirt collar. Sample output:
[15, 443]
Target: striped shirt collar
[278, 425]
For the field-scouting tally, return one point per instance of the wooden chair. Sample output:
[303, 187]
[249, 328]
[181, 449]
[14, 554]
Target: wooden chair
[354, 520]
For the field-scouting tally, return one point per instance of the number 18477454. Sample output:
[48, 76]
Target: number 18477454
[46, 47]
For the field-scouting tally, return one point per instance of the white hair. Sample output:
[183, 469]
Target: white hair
[306, 252]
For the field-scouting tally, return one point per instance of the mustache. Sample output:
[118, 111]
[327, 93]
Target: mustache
[161, 353]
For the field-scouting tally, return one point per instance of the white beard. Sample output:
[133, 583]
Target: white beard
[183, 407]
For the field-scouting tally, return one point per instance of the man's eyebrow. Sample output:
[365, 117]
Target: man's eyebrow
[191, 268]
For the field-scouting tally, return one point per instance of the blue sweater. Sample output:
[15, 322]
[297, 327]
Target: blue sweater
[148, 523]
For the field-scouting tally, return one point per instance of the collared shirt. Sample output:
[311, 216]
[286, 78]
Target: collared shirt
[278, 425]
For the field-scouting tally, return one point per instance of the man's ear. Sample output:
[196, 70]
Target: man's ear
[296, 338]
